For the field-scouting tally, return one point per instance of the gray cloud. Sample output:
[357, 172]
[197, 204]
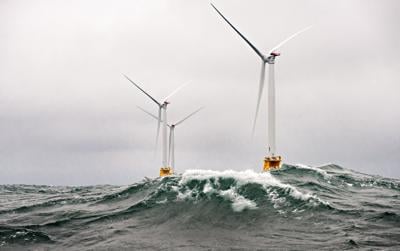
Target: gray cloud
[69, 117]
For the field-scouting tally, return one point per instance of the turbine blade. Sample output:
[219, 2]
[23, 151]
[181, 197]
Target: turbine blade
[175, 91]
[148, 113]
[289, 38]
[148, 95]
[240, 34]
[188, 116]
[260, 92]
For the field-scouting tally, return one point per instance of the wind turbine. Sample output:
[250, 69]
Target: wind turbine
[270, 161]
[172, 137]
[171, 154]
[162, 116]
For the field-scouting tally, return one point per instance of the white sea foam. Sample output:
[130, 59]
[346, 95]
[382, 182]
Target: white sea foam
[185, 195]
[241, 177]
[239, 203]
[162, 201]
[207, 188]
[275, 199]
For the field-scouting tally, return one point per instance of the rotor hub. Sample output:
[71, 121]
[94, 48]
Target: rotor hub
[271, 59]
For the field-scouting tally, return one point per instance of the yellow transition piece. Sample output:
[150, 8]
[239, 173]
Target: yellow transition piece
[272, 162]
[166, 171]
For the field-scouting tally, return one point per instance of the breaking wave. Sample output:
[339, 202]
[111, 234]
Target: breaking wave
[310, 207]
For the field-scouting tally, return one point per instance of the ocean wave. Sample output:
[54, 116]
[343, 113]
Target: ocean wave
[45, 204]
[296, 200]
[317, 170]
[17, 235]
[230, 185]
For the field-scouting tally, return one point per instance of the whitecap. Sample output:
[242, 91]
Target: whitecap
[265, 179]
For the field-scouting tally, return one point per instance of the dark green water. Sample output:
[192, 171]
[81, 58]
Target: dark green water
[295, 208]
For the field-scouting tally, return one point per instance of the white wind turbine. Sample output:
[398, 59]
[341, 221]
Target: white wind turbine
[162, 116]
[271, 160]
[171, 154]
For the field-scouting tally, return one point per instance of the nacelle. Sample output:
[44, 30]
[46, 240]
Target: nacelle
[275, 54]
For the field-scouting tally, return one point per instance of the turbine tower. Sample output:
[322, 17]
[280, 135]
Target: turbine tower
[171, 154]
[162, 117]
[271, 160]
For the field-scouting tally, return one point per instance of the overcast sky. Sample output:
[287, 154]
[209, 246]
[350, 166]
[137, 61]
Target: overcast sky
[68, 116]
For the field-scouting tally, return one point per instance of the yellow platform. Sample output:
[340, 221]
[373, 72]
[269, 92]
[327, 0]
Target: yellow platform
[272, 162]
[166, 171]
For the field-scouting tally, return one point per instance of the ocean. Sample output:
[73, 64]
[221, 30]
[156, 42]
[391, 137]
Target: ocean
[298, 207]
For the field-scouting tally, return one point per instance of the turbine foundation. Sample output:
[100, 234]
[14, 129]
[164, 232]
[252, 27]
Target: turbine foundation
[166, 171]
[272, 162]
